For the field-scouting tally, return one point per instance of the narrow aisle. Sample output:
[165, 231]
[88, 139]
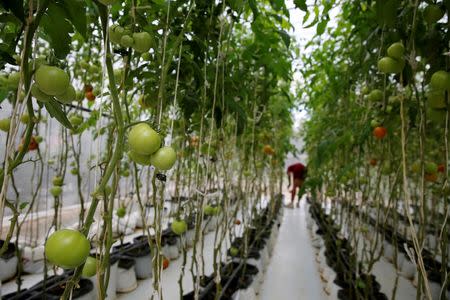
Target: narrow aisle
[292, 273]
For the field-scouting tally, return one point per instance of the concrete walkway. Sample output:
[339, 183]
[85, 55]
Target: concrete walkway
[292, 273]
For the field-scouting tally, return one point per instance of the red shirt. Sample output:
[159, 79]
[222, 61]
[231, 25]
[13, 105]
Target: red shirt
[299, 170]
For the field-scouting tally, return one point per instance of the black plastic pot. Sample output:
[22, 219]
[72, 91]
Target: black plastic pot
[126, 263]
[23, 294]
[10, 251]
[54, 293]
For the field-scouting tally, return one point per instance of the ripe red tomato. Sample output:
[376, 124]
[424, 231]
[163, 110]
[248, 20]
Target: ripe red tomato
[373, 162]
[379, 132]
[441, 168]
[237, 222]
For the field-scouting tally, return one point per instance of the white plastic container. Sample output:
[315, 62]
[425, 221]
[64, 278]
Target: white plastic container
[126, 278]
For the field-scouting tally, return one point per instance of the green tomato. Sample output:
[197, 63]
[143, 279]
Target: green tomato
[386, 169]
[389, 65]
[389, 108]
[126, 41]
[68, 96]
[396, 51]
[121, 212]
[234, 251]
[126, 173]
[13, 80]
[39, 95]
[5, 124]
[76, 120]
[164, 158]
[415, 167]
[178, 227]
[52, 80]
[375, 95]
[142, 139]
[25, 118]
[437, 115]
[140, 159]
[108, 190]
[118, 73]
[436, 99]
[433, 13]
[84, 64]
[146, 56]
[58, 181]
[365, 90]
[142, 41]
[115, 33]
[208, 210]
[38, 139]
[431, 168]
[90, 267]
[80, 96]
[67, 248]
[440, 80]
[56, 191]
[74, 171]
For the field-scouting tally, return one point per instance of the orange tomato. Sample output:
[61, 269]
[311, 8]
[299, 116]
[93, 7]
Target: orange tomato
[165, 263]
[267, 149]
[32, 146]
[379, 132]
[90, 96]
[237, 222]
[88, 88]
[431, 177]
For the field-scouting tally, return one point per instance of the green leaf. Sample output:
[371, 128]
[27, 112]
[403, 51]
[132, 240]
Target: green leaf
[322, 26]
[76, 13]
[55, 110]
[285, 36]
[254, 8]
[23, 205]
[16, 7]
[301, 4]
[57, 28]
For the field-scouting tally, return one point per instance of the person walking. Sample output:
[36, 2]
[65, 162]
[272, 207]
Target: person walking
[296, 175]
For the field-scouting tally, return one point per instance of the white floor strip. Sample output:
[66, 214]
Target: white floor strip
[292, 273]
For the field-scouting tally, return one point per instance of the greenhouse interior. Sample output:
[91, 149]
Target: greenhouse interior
[224, 149]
